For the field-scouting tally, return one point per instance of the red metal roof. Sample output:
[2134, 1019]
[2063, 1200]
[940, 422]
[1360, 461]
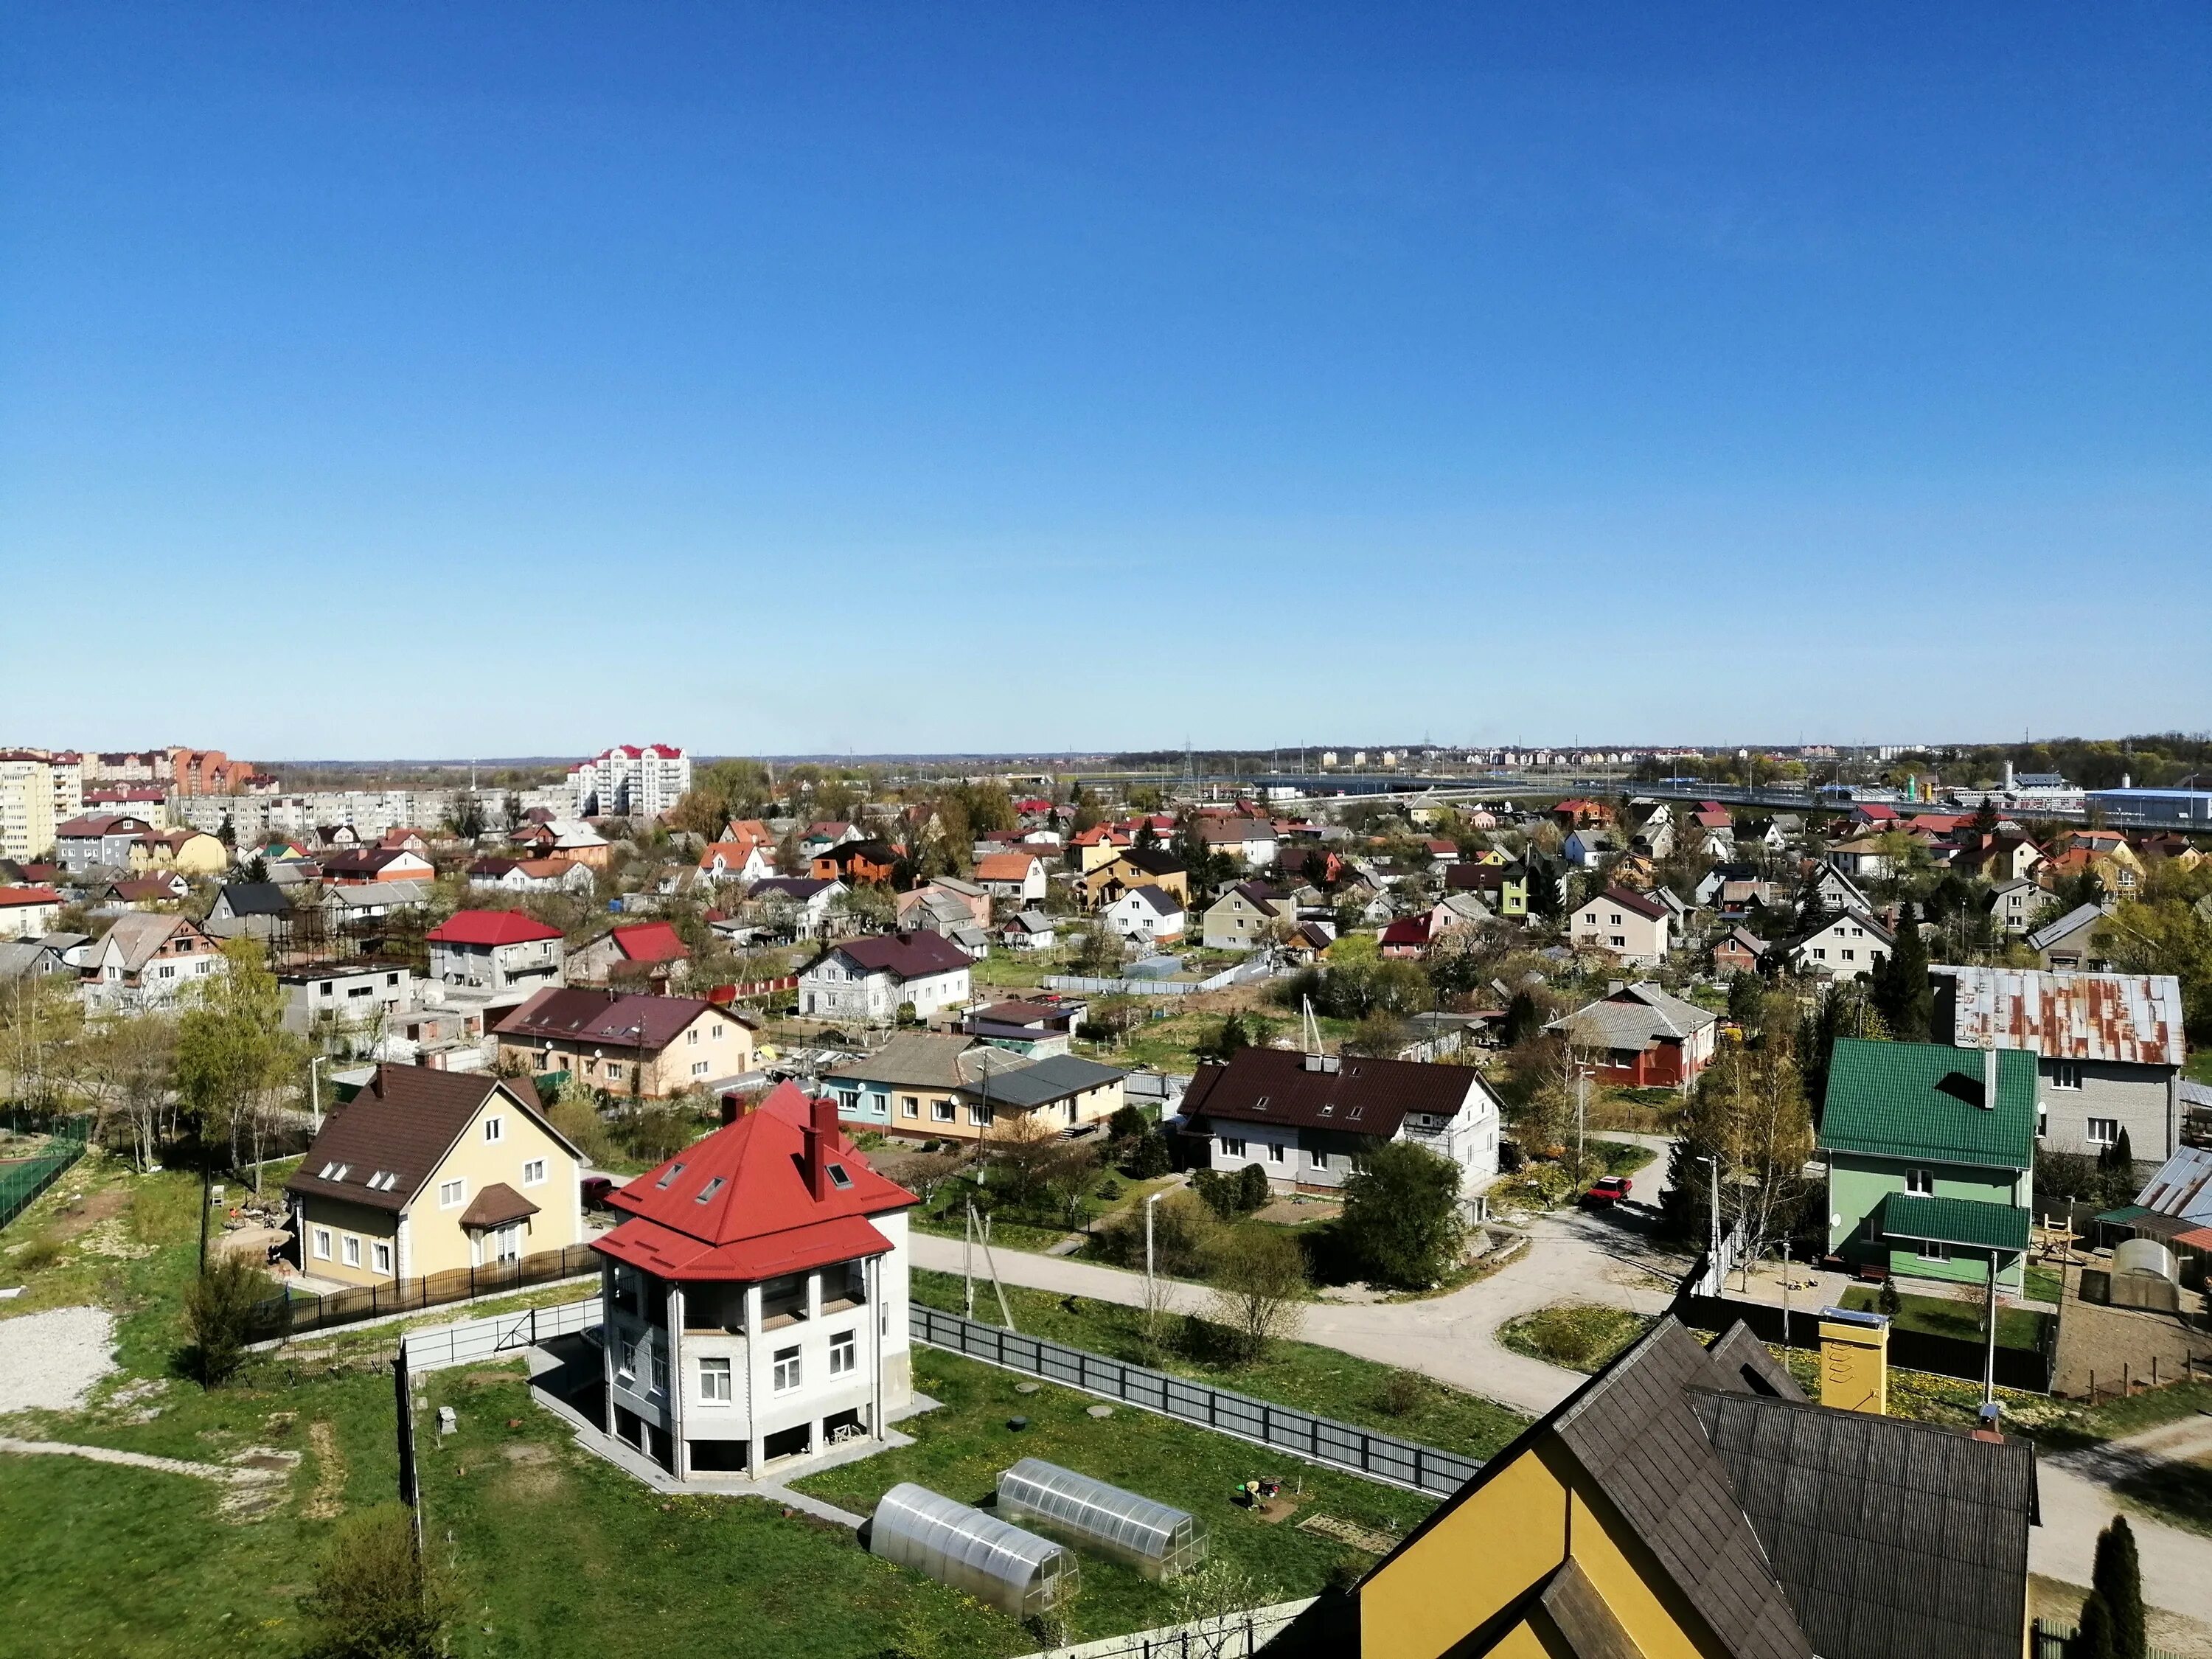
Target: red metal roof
[490, 927]
[15, 895]
[651, 941]
[738, 1205]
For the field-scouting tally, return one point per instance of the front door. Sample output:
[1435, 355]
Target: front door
[507, 1244]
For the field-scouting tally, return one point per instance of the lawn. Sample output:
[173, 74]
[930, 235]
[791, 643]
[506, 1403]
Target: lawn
[1938, 1316]
[1583, 1336]
[1544, 1184]
[1300, 1374]
[959, 1451]
[1031, 1229]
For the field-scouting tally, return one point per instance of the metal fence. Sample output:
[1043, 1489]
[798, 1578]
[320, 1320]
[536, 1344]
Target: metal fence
[2028, 1370]
[1318, 1439]
[23, 1180]
[2051, 1640]
[306, 1310]
[1227, 1636]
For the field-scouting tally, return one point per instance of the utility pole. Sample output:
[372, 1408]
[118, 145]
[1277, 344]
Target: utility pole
[1989, 1354]
[1582, 1117]
[1152, 1284]
[968, 1262]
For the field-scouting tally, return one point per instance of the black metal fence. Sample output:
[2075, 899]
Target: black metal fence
[305, 1310]
[1320, 1439]
[2028, 1370]
[23, 1180]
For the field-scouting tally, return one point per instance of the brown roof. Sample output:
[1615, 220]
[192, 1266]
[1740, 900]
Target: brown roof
[1630, 901]
[1359, 1095]
[495, 1205]
[611, 1018]
[380, 1147]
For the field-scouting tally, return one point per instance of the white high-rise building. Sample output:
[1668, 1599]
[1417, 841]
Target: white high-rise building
[27, 806]
[630, 783]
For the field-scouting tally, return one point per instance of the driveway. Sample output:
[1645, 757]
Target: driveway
[2075, 1491]
[1572, 1257]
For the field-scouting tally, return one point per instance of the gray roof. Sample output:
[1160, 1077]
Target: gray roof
[1632, 1016]
[1047, 1080]
[1161, 901]
[254, 898]
[369, 895]
[2072, 923]
[1032, 921]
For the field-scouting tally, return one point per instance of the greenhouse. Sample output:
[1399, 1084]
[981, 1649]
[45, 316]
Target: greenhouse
[1158, 1541]
[990, 1559]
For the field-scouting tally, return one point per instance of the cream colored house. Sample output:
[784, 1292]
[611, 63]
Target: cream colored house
[424, 1171]
[1625, 924]
[630, 1045]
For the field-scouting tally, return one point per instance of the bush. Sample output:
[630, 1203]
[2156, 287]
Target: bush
[1253, 1191]
[373, 1598]
[1147, 1157]
[1128, 1123]
[1402, 1392]
[222, 1317]
[1259, 1276]
[1183, 1231]
[41, 1252]
[1401, 1222]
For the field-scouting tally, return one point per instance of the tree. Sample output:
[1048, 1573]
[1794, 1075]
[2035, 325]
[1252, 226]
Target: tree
[124, 1065]
[1902, 992]
[2166, 935]
[233, 1058]
[2094, 1639]
[1746, 1000]
[1099, 954]
[1401, 1222]
[374, 1598]
[1748, 1111]
[221, 1316]
[1128, 1123]
[1233, 1035]
[1253, 1191]
[1259, 1277]
[1183, 1230]
[2117, 1579]
[1523, 1019]
[1148, 1156]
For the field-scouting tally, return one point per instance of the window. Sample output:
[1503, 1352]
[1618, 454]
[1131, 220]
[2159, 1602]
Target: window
[1233, 1146]
[787, 1370]
[1615, 919]
[699, 1068]
[658, 1381]
[2065, 1073]
[714, 1381]
[633, 1359]
[1620, 941]
[614, 1071]
[838, 1177]
[352, 1248]
[534, 1173]
[1922, 1182]
[844, 1354]
[495, 1127]
[1274, 1151]
[1851, 955]
[979, 1114]
[910, 1105]
[322, 1243]
[2104, 1130]
[941, 1111]
[709, 1190]
[1930, 1250]
[451, 1193]
[380, 1256]
[691, 1036]
[2042, 1121]
[1320, 1160]
[848, 1101]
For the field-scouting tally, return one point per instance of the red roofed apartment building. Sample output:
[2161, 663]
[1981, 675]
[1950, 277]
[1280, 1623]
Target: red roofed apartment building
[757, 1296]
[630, 782]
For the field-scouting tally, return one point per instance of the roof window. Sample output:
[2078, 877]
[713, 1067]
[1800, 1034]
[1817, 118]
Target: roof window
[710, 1189]
[838, 1177]
[674, 1171]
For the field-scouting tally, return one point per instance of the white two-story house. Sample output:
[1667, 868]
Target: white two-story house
[869, 980]
[1302, 1118]
[756, 1297]
[496, 951]
[1629, 926]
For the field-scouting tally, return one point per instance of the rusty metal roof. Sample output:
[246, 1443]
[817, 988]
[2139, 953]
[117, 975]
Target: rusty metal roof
[2132, 1018]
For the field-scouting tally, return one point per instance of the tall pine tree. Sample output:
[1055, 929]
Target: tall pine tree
[2117, 1580]
[1901, 989]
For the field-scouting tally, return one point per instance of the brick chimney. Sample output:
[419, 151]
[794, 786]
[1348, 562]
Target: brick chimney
[821, 1146]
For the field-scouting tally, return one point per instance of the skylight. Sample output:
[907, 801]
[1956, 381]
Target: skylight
[674, 1171]
[710, 1189]
[838, 1177]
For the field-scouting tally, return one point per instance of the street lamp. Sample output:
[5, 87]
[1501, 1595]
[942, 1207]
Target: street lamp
[1151, 1285]
[315, 1091]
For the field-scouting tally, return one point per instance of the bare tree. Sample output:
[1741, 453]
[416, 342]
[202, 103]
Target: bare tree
[124, 1065]
[1259, 1280]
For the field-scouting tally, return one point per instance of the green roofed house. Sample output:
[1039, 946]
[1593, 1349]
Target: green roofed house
[1931, 1152]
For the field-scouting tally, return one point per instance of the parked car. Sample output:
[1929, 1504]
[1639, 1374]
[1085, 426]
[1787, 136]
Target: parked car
[595, 1189]
[1609, 1189]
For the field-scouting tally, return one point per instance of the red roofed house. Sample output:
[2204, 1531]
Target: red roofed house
[755, 1296]
[495, 950]
[638, 950]
[1016, 876]
[28, 912]
[365, 863]
[1628, 925]
[641, 1048]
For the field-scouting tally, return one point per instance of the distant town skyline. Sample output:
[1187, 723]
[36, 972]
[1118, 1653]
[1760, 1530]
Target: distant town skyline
[1035, 381]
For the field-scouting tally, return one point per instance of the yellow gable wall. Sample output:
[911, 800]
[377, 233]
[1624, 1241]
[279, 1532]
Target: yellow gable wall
[435, 1241]
[1482, 1556]
[1473, 1562]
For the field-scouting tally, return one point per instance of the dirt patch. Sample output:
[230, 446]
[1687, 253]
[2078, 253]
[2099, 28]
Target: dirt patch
[262, 1480]
[531, 1470]
[487, 1379]
[1276, 1510]
[82, 1215]
[526, 1451]
[52, 1361]
[328, 1499]
[1364, 1539]
[1292, 1212]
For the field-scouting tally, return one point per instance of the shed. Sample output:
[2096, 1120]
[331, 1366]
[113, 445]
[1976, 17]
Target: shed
[1158, 1540]
[989, 1558]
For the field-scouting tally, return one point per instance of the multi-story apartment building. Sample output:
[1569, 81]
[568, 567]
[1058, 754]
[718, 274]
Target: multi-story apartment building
[27, 806]
[630, 781]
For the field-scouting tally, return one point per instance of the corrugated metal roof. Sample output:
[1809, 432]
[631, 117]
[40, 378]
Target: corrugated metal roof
[2182, 1187]
[1965, 1221]
[2132, 1018]
[1923, 1101]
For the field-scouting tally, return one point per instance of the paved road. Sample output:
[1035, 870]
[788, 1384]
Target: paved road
[1572, 1257]
[2074, 1491]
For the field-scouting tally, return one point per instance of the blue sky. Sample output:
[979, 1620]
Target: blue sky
[436, 380]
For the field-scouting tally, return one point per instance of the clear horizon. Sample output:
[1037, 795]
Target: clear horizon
[1053, 380]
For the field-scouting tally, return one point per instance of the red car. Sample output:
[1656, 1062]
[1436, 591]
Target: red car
[1607, 1189]
[596, 1188]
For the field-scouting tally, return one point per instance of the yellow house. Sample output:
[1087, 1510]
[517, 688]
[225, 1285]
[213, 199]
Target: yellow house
[1690, 1503]
[424, 1171]
[191, 851]
[1140, 866]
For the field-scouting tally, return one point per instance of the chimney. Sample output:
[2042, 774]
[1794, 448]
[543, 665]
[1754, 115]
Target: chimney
[1989, 1075]
[1989, 1424]
[821, 1146]
[1855, 1361]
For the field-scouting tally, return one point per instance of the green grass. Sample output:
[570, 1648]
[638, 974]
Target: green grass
[2199, 1068]
[960, 1450]
[1580, 1335]
[2045, 1285]
[1300, 1374]
[1938, 1316]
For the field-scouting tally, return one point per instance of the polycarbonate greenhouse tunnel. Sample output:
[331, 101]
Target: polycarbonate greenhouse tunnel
[1159, 1541]
[992, 1560]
